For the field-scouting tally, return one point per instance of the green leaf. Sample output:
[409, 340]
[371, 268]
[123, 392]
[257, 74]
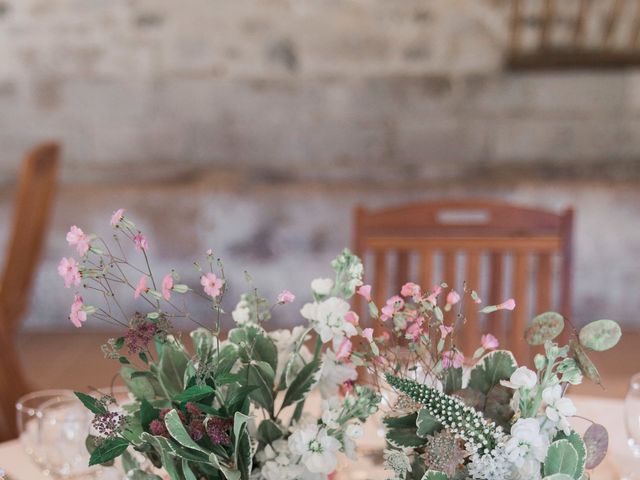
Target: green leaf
[173, 363]
[600, 335]
[435, 475]
[109, 449]
[559, 476]
[452, 380]
[119, 343]
[544, 327]
[140, 386]
[197, 392]
[179, 433]
[202, 340]
[187, 472]
[401, 432]
[561, 458]
[269, 431]
[260, 375]
[255, 344]
[576, 442]
[493, 367]
[92, 403]
[148, 413]
[303, 383]
[426, 424]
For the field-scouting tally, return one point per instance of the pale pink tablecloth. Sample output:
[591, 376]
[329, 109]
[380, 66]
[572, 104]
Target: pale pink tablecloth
[608, 412]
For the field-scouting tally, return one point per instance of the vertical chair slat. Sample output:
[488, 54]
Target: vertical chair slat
[426, 270]
[380, 284]
[450, 279]
[496, 324]
[472, 329]
[547, 22]
[402, 270]
[544, 282]
[578, 31]
[611, 22]
[519, 315]
[515, 23]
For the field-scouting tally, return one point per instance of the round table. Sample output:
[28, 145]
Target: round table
[608, 412]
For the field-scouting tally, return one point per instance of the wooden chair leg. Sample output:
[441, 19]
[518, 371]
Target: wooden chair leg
[12, 386]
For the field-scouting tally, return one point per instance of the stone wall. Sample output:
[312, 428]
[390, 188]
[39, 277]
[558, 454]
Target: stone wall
[254, 127]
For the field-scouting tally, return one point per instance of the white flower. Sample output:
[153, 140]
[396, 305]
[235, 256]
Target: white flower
[527, 447]
[558, 407]
[327, 319]
[490, 466]
[331, 411]
[318, 450]
[286, 342]
[521, 378]
[333, 374]
[322, 286]
[242, 313]
[354, 430]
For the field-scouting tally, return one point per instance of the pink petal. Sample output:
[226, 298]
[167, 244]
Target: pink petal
[365, 291]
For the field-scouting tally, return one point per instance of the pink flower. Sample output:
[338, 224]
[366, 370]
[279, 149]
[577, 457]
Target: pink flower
[141, 242]
[453, 297]
[167, 285]
[68, 270]
[415, 329]
[411, 290]
[286, 297]
[141, 287]
[365, 291]
[368, 334]
[76, 237]
[344, 350]
[489, 342]
[509, 304]
[209, 252]
[117, 216]
[393, 305]
[211, 284]
[445, 330]
[352, 318]
[77, 315]
[452, 359]
[433, 296]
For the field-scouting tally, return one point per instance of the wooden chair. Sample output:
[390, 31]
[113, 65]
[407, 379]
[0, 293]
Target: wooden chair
[32, 210]
[485, 245]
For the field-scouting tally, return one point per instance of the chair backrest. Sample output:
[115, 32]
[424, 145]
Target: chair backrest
[481, 245]
[31, 214]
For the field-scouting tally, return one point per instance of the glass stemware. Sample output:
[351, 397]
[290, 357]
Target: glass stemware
[632, 423]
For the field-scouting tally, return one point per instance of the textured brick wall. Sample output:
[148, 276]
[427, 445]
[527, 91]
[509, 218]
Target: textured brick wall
[263, 122]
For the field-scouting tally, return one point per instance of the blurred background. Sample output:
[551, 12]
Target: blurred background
[255, 127]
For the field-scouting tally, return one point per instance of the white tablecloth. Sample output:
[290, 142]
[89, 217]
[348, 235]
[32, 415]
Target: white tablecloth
[608, 412]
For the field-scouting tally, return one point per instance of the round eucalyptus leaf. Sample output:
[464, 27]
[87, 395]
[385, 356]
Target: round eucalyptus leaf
[600, 335]
[596, 439]
[585, 364]
[543, 327]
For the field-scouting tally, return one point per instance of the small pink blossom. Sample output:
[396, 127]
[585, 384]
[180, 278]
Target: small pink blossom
[209, 252]
[286, 297]
[68, 269]
[344, 350]
[414, 330]
[445, 330]
[167, 285]
[489, 342]
[117, 217]
[212, 284]
[393, 305]
[509, 304]
[452, 359]
[352, 318]
[453, 297]
[78, 315]
[368, 334]
[141, 242]
[411, 290]
[141, 287]
[386, 336]
[365, 291]
[76, 237]
[433, 296]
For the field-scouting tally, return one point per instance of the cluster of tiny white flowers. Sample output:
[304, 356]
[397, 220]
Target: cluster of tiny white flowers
[493, 465]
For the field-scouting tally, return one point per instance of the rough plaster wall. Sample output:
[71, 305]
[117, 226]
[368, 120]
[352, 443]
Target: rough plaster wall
[255, 126]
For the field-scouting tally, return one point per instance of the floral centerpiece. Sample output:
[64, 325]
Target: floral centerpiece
[237, 406]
